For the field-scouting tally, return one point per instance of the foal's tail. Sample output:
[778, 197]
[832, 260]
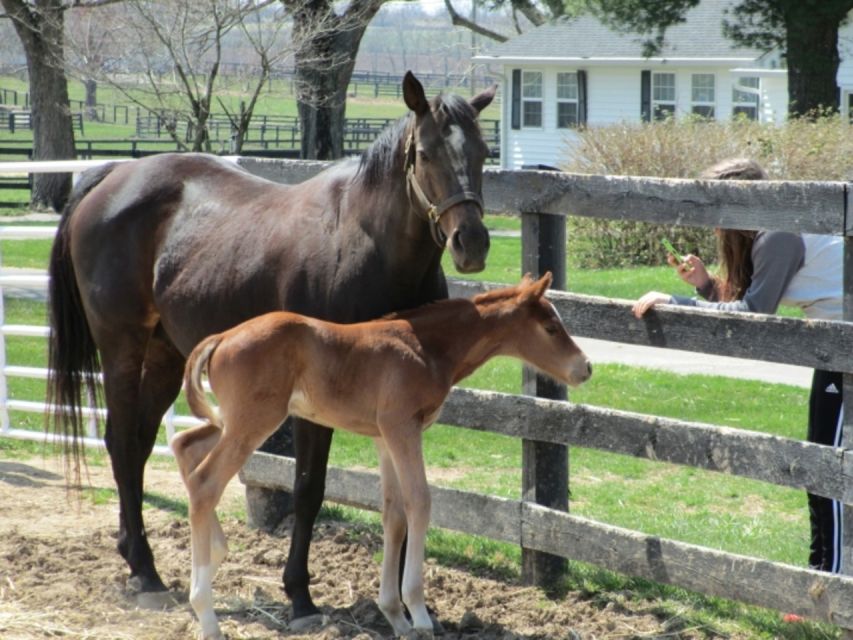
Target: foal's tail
[72, 354]
[197, 364]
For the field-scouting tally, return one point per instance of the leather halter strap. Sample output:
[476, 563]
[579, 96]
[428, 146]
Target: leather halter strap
[422, 205]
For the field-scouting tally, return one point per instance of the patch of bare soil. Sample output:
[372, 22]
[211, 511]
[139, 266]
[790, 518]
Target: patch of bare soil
[61, 576]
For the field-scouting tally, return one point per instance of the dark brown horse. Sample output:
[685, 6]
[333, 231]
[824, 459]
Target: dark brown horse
[154, 255]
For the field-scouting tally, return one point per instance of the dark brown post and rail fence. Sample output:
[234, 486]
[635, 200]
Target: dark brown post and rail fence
[539, 522]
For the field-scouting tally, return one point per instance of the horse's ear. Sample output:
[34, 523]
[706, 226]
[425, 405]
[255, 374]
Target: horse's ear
[413, 94]
[484, 99]
[531, 290]
[542, 284]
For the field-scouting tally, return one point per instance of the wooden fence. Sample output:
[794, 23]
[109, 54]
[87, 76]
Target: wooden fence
[17, 120]
[547, 427]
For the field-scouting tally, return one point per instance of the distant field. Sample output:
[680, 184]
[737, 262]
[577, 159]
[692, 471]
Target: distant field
[277, 100]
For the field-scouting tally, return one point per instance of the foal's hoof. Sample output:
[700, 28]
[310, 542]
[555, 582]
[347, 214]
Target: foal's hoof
[304, 623]
[419, 634]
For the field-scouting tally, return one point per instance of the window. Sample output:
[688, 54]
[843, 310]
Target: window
[663, 95]
[531, 99]
[567, 100]
[745, 97]
[702, 95]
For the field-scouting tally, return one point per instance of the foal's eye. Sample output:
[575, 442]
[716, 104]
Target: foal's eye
[551, 329]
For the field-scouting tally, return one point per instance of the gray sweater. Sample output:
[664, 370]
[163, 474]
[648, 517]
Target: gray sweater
[776, 258]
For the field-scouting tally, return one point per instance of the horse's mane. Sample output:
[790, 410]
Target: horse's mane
[386, 153]
[381, 157]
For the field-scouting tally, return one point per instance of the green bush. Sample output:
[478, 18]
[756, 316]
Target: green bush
[800, 150]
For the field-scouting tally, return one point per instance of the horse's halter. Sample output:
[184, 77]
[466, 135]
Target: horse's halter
[422, 205]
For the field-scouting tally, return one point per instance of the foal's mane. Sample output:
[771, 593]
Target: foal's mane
[488, 298]
[385, 155]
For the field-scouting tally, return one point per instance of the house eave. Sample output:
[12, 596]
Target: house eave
[615, 61]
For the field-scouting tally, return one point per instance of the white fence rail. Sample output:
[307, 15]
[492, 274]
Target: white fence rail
[14, 279]
[10, 279]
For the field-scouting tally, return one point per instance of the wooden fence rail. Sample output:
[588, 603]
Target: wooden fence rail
[538, 197]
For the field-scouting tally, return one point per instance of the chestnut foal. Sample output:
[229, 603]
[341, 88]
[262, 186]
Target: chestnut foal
[386, 379]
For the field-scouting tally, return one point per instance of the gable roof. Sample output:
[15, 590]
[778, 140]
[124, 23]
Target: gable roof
[699, 38]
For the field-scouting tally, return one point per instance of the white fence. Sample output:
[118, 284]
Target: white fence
[9, 279]
[38, 282]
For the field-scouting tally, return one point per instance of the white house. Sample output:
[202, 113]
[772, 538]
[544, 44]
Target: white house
[579, 72]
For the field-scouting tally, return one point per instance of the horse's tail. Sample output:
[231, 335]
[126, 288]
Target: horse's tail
[72, 355]
[197, 364]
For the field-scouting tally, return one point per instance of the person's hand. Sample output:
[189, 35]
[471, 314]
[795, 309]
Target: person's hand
[648, 301]
[692, 270]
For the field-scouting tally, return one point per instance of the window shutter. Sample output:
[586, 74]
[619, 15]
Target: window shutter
[515, 119]
[582, 101]
[646, 96]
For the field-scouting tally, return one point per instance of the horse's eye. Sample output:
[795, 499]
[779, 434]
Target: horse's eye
[422, 155]
[551, 329]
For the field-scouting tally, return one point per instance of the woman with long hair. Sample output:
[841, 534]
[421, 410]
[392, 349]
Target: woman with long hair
[758, 271]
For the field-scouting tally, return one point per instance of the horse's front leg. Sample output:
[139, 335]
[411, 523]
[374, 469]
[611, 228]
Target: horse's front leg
[405, 448]
[394, 532]
[312, 444]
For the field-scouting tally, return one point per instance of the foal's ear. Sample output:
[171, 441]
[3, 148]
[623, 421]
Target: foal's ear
[413, 94]
[542, 284]
[532, 291]
[484, 99]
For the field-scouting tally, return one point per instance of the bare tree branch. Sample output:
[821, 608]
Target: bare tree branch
[460, 21]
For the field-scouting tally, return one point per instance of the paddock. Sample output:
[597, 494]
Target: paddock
[548, 426]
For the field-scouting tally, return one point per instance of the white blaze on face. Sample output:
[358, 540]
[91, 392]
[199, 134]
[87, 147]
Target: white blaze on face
[454, 142]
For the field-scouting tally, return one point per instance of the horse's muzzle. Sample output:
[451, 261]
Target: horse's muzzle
[469, 246]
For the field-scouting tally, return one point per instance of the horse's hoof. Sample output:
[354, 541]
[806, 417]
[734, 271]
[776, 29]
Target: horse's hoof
[156, 600]
[307, 622]
[419, 634]
[142, 584]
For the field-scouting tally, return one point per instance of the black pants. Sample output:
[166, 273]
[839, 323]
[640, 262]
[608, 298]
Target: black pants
[824, 513]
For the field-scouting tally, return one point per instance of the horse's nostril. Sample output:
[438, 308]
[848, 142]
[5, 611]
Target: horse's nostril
[456, 241]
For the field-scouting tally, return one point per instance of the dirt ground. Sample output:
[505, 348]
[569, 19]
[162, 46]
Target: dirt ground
[60, 576]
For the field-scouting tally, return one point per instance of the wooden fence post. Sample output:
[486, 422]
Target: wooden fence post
[545, 467]
[847, 407]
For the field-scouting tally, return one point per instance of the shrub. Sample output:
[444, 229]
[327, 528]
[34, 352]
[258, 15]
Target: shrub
[802, 149]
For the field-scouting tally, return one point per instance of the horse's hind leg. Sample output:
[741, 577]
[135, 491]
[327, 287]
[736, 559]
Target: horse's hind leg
[191, 447]
[205, 485]
[142, 377]
[312, 444]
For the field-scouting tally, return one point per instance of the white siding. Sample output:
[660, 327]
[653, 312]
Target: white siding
[845, 68]
[613, 96]
[845, 51]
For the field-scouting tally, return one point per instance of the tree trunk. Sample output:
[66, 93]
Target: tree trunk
[324, 61]
[40, 29]
[812, 52]
[91, 99]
